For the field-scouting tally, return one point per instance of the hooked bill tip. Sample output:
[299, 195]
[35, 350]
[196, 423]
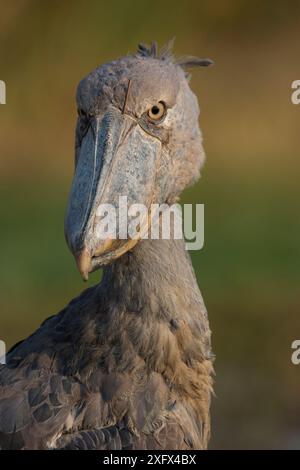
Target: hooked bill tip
[83, 260]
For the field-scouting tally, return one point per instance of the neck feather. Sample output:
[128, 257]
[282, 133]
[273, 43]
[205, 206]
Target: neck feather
[155, 306]
[156, 283]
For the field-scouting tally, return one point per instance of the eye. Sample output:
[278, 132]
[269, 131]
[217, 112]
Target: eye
[157, 111]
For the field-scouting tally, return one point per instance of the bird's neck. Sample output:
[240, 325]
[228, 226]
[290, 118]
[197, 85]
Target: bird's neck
[157, 319]
[155, 283]
[153, 320]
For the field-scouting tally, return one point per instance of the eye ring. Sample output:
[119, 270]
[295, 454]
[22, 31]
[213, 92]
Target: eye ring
[157, 111]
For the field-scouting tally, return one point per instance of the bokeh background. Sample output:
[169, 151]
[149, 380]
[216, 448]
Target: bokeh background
[249, 270]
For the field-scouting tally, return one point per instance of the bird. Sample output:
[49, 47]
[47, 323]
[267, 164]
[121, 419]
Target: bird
[128, 363]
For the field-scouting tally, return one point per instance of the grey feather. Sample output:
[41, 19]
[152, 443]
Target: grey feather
[128, 363]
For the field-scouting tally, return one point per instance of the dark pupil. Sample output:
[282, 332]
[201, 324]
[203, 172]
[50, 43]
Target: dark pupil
[155, 110]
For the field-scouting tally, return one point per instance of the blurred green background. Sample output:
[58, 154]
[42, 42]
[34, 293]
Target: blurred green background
[249, 270]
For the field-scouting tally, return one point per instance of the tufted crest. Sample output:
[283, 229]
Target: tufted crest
[166, 55]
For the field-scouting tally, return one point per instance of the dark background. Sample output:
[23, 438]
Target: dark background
[249, 269]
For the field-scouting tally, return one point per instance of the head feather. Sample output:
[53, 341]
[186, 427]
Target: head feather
[166, 54]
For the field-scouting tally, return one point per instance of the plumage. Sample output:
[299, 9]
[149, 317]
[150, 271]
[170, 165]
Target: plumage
[128, 363]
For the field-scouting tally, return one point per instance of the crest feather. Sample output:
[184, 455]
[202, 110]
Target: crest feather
[166, 54]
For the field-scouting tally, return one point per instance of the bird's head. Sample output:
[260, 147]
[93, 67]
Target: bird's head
[137, 136]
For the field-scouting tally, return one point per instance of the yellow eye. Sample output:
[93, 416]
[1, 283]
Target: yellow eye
[157, 111]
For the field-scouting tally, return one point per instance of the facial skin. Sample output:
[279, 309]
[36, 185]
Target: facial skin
[137, 135]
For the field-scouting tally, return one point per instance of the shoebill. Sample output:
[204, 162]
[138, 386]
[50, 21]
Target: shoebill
[128, 363]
